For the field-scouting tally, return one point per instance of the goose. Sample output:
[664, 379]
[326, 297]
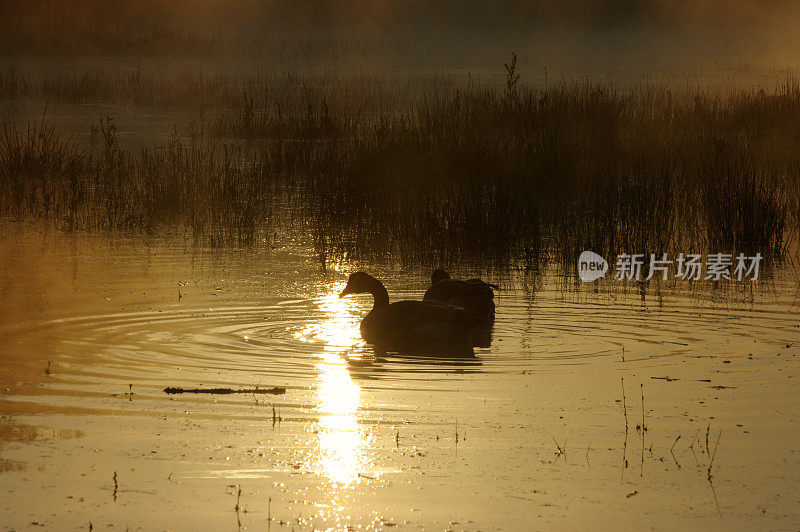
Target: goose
[472, 294]
[412, 327]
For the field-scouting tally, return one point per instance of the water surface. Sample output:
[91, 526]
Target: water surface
[529, 434]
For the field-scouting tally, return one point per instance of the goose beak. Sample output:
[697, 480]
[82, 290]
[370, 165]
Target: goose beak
[344, 292]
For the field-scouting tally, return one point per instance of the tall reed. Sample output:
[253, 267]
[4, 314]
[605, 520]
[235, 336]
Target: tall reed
[442, 172]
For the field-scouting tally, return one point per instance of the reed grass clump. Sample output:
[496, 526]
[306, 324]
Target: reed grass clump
[438, 171]
[206, 192]
[43, 176]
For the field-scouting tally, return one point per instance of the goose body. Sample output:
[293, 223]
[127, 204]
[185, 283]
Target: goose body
[413, 327]
[471, 294]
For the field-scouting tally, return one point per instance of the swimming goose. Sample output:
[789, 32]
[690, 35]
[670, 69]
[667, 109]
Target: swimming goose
[472, 294]
[412, 327]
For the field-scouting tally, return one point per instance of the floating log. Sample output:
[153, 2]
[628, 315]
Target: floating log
[277, 390]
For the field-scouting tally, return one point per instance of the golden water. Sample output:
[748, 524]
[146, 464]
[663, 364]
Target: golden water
[363, 441]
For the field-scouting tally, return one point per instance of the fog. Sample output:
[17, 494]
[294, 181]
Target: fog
[564, 36]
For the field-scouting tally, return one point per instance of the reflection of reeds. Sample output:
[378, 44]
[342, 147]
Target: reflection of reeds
[439, 171]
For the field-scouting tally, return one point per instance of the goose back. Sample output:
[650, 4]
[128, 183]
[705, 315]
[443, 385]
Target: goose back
[473, 295]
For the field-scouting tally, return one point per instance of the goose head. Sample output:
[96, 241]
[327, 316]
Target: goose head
[439, 275]
[359, 283]
[364, 283]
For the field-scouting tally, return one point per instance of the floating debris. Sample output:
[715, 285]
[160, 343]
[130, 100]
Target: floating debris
[277, 390]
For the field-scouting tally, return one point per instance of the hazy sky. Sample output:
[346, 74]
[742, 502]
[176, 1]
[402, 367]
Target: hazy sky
[546, 30]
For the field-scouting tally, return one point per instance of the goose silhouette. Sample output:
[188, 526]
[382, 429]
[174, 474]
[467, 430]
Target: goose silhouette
[472, 294]
[413, 327]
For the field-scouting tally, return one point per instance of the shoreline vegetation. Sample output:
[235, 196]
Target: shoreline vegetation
[432, 169]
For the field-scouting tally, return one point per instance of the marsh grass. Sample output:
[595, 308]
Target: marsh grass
[433, 170]
[43, 175]
[205, 192]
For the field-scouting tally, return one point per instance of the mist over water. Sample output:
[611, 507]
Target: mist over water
[569, 38]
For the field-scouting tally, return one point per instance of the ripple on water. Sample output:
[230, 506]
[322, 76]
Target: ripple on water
[284, 341]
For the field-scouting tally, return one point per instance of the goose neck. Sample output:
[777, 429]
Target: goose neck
[379, 295]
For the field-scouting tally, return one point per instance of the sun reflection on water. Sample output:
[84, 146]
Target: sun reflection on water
[342, 451]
